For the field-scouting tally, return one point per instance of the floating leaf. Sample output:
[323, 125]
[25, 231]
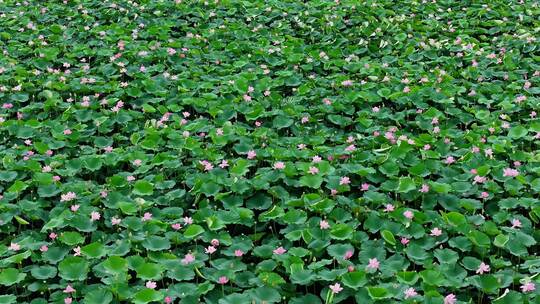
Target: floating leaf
[406, 184]
[147, 295]
[73, 268]
[388, 236]
[354, 279]
[193, 231]
[10, 276]
[143, 187]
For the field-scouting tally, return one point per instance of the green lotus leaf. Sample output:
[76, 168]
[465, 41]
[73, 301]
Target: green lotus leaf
[73, 268]
[143, 187]
[10, 276]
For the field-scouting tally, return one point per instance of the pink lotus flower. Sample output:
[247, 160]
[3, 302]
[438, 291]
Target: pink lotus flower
[115, 221]
[251, 154]
[238, 253]
[529, 286]
[520, 98]
[450, 299]
[69, 289]
[214, 242]
[279, 165]
[510, 172]
[52, 235]
[436, 231]
[324, 224]
[350, 148]
[424, 189]
[68, 197]
[313, 170]
[188, 220]
[336, 288]
[176, 226]
[389, 208]
[74, 208]
[168, 300]
[188, 258]
[224, 163]
[137, 162]
[207, 165]
[68, 300]
[223, 280]
[44, 248]
[410, 292]
[373, 264]
[14, 247]
[348, 254]
[146, 217]
[130, 178]
[365, 187]
[210, 250]
[450, 160]
[404, 241]
[347, 83]
[408, 214]
[344, 180]
[482, 268]
[77, 251]
[280, 250]
[151, 284]
[316, 159]
[479, 179]
[484, 195]
[95, 216]
[516, 223]
[390, 136]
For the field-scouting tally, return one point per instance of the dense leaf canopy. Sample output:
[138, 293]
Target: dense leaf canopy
[274, 151]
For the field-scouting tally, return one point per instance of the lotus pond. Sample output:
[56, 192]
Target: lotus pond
[235, 152]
